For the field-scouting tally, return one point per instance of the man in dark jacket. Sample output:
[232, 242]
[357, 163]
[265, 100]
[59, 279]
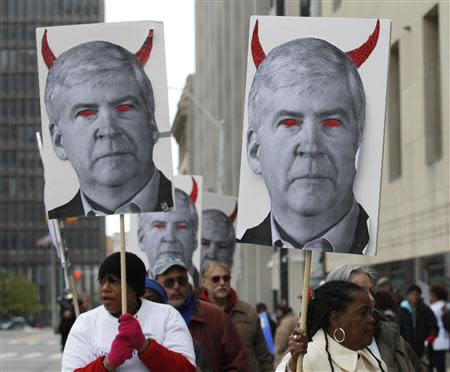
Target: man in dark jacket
[218, 346]
[416, 320]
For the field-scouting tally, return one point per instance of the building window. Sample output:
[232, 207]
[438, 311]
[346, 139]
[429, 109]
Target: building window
[394, 117]
[432, 93]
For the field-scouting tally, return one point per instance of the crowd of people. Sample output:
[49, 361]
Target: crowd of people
[354, 323]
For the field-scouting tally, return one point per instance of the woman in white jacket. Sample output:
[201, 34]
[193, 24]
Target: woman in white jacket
[340, 327]
[438, 298]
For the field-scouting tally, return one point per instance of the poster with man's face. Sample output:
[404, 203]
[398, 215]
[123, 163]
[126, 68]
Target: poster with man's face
[218, 234]
[105, 119]
[175, 233]
[313, 133]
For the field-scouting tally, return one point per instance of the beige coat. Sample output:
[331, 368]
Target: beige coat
[343, 359]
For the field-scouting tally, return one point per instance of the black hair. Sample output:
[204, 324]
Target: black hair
[414, 288]
[440, 291]
[335, 295]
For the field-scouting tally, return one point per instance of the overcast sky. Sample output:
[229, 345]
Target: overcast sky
[178, 19]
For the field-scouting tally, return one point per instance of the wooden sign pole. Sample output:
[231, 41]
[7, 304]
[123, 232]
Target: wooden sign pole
[305, 299]
[123, 267]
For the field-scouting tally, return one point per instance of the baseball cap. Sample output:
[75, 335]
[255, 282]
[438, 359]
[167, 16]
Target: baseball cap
[165, 263]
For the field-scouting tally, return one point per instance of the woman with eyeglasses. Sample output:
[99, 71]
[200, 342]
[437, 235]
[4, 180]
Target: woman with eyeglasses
[387, 343]
[340, 327]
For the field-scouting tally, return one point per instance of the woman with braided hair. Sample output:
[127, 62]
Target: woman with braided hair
[340, 327]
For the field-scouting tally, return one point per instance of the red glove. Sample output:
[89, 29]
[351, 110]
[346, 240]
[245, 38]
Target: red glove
[130, 328]
[431, 339]
[121, 350]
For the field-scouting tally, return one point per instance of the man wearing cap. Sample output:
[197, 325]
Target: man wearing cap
[217, 343]
[150, 336]
[216, 281]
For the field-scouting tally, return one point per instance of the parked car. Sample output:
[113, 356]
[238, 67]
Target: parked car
[17, 322]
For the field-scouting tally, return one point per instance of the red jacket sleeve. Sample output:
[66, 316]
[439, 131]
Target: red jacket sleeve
[94, 366]
[160, 359]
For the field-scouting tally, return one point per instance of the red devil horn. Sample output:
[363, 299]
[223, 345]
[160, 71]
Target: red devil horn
[47, 54]
[257, 50]
[359, 55]
[143, 54]
[194, 192]
[233, 214]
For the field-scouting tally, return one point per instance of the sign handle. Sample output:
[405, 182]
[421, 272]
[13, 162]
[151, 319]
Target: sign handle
[305, 298]
[123, 267]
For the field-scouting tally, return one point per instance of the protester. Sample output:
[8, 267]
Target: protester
[217, 343]
[286, 325]
[154, 291]
[67, 314]
[262, 308]
[387, 343]
[216, 284]
[384, 285]
[416, 320]
[340, 328]
[150, 336]
[438, 300]
[268, 326]
[386, 304]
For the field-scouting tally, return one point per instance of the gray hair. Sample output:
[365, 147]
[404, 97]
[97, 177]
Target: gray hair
[217, 217]
[90, 64]
[182, 200]
[208, 265]
[309, 61]
[345, 273]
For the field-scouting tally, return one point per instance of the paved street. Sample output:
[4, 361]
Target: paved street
[30, 350]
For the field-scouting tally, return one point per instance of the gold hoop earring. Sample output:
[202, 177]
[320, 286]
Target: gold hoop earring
[341, 340]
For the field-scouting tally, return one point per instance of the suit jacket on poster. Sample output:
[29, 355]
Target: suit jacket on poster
[75, 208]
[262, 234]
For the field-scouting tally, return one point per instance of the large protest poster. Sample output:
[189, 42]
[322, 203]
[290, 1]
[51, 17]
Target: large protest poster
[155, 236]
[105, 119]
[218, 234]
[313, 133]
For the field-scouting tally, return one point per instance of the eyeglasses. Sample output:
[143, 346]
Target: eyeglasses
[170, 282]
[225, 278]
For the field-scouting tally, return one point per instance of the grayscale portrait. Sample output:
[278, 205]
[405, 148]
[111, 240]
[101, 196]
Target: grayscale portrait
[218, 236]
[101, 111]
[171, 234]
[306, 118]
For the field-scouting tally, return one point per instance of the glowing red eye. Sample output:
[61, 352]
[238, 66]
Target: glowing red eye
[331, 123]
[181, 226]
[122, 108]
[290, 122]
[86, 113]
[159, 226]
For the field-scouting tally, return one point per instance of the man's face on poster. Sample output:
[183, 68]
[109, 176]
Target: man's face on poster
[169, 234]
[105, 131]
[305, 147]
[217, 244]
